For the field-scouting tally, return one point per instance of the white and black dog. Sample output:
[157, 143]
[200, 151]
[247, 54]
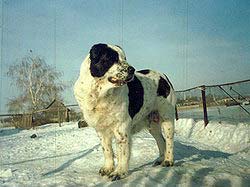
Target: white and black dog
[118, 101]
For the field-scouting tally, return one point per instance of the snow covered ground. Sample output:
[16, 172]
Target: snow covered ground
[218, 155]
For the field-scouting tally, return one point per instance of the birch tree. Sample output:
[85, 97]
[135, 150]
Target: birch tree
[37, 84]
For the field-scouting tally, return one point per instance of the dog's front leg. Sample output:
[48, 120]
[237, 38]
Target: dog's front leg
[122, 135]
[106, 142]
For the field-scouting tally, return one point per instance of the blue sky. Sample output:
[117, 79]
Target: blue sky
[194, 42]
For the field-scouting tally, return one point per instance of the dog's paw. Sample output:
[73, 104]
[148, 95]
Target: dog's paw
[167, 163]
[106, 171]
[114, 176]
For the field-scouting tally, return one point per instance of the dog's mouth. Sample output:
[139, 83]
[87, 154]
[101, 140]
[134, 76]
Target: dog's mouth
[119, 82]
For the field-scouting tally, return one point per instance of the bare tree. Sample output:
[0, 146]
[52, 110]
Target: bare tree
[37, 82]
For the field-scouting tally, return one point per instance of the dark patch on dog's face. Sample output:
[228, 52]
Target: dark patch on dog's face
[136, 96]
[163, 88]
[144, 71]
[102, 58]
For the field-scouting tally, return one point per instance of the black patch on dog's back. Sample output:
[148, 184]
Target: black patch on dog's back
[136, 96]
[102, 58]
[144, 71]
[163, 88]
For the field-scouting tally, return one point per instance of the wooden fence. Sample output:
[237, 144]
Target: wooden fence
[39, 117]
[203, 96]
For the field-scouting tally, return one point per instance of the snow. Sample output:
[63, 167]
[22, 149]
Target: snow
[222, 136]
[218, 155]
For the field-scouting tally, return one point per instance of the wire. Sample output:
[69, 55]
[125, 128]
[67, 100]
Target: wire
[242, 97]
[55, 59]
[186, 44]
[1, 57]
[215, 85]
[233, 99]
[121, 22]
[55, 22]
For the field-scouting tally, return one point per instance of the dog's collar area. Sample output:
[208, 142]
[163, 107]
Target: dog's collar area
[119, 82]
[130, 78]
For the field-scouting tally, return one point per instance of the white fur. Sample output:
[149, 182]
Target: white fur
[105, 107]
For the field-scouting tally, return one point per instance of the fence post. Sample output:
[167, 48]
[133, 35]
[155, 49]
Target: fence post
[67, 115]
[176, 113]
[203, 94]
[32, 120]
[59, 117]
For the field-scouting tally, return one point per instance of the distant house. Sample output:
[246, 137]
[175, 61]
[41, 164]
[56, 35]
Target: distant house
[55, 112]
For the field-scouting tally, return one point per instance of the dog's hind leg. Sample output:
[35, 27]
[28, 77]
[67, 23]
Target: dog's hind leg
[168, 129]
[106, 142]
[155, 131]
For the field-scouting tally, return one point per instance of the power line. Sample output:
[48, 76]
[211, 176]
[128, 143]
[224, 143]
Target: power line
[55, 42]
[1, 57]
[55, 51]
[121, 22]
[186, 44]
[55, 29]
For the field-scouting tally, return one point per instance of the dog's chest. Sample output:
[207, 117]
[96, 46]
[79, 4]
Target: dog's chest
[108, 110]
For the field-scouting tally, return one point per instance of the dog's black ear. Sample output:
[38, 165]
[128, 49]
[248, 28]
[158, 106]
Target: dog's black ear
[97, 51]
[102, 58]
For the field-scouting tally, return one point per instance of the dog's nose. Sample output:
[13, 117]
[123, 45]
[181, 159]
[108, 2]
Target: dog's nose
[131, 70]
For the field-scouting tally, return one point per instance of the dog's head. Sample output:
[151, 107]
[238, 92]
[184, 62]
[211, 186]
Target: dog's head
[109, 62]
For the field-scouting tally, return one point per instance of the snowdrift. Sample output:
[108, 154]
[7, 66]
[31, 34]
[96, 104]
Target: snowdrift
[222, 136]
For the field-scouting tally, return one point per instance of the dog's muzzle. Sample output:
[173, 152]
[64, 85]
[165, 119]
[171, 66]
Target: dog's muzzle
[121, 80]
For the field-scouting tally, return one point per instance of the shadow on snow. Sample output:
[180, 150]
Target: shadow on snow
[8, 131]
[172, 176]
[69, 162]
